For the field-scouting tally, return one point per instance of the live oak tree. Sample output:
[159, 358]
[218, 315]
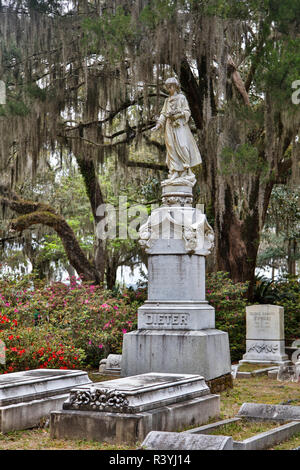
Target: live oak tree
[88, 76]
[281, 234]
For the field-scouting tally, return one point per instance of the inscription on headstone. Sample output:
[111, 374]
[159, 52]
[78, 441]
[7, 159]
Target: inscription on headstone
[166, 319]
[265, 334]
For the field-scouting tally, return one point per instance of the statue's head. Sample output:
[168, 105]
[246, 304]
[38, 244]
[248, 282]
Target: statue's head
[172, 82]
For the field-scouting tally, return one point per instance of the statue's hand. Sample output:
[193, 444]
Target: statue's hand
[155, 128]
[178, 116]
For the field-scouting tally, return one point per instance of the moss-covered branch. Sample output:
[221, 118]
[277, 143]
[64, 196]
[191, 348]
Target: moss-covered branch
[32, 213]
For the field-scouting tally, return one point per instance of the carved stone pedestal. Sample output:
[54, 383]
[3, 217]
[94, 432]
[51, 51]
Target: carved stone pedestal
[176, 325]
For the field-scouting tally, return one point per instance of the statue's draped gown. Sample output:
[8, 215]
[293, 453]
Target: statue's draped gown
[182, 150]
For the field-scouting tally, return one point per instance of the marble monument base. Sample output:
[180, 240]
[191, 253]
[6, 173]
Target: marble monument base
[126, 410]
[204, 352]
[265, 352]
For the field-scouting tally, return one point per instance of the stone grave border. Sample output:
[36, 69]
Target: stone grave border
[287, 416]
[247, 375]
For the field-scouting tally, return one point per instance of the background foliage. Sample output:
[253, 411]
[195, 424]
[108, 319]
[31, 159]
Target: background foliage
[76, 325]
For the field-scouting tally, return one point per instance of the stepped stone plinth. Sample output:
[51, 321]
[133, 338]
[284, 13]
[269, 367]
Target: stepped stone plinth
[176, 325]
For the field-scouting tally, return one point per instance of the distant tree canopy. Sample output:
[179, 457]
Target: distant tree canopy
[280, 247]
[87, 77]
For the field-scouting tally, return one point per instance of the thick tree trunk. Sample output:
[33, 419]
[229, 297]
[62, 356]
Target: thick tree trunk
[292, 248]
[111, 275]
[237, 236]
[94, 193]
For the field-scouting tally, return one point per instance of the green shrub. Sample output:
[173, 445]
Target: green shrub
[288, 296]
[76, 325]
[229, 301]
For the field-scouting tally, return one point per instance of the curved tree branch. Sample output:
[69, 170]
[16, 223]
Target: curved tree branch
[32, 213]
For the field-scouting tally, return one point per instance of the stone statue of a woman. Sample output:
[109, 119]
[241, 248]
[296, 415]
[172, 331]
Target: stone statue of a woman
[182, 150]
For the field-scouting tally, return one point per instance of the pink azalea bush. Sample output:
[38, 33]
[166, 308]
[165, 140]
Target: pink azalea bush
[62, 326]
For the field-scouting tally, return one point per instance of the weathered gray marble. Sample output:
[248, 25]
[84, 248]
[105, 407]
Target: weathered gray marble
[183, 441]
[133, 427]
[38, 383]
[268, 439]
[182, 150]
[176, 315]
[136, 394]
[26, 397]
[265, 334]
[176, 325]
[176, 277]
[203, 352]
[180, 228]
[287, 373]
[261, 411]
[111, 365]
[126, 410]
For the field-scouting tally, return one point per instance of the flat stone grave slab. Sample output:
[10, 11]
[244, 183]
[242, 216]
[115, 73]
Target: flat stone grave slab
[127, 409]
[28, 396]
[260, 370]
[182, 441]
[261, 411]
[137, 393]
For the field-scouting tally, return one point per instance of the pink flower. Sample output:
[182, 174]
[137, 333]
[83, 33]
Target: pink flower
[115, 307]
[124, 331]
[100, 346]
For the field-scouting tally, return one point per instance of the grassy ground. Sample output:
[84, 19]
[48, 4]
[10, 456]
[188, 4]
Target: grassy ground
[39, 439]
[290, 444]
[252, 367]
[257, 389]
[243, 429]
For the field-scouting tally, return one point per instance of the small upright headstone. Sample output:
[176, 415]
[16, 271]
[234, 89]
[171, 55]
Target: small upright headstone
[111, 365]
[265, 334]
[287, 373]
